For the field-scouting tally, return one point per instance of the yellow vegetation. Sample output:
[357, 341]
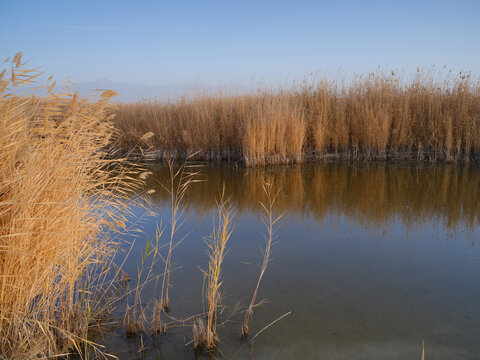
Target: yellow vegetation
[53, 256]
[432, 115]
[205, 327]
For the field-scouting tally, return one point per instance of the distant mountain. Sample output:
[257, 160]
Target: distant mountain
[134, 92]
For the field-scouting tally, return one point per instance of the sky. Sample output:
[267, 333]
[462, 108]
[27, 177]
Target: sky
[222, 42]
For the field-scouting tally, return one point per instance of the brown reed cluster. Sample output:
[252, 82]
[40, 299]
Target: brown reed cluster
[432, 115]
[54, 255]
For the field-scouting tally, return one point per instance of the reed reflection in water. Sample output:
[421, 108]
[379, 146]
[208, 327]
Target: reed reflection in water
[371, 194]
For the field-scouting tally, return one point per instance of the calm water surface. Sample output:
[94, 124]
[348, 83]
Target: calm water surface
[370, 260]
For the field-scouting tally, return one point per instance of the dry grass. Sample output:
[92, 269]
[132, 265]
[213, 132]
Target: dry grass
[432, 115]
[53, 255]
[255, 129]
[205, 329]
[180, 179]
[270, 222]
[135, 319]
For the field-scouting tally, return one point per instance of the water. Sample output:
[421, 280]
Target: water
[370, 260]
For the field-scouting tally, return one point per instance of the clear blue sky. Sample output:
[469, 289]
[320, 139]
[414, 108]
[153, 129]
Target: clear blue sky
[174, 42]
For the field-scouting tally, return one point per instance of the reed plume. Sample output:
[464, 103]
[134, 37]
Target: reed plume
[205, 330]
[54, 254]
[270, 222]
[180, 179]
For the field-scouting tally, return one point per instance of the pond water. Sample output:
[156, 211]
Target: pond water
[371, 260]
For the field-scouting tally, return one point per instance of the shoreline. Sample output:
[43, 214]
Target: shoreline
[236, 158]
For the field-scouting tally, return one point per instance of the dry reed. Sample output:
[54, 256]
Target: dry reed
[180, 179]
[270, 224]
[205, 330]
[135, 319]
[54, 255]
[432, 115]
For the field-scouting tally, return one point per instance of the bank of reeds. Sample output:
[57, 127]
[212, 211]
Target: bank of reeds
[54, 255]
[255, 129]
[432, 115]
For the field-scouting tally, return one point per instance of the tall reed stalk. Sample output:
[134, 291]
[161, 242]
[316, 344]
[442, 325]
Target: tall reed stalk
[270, 222]
[205, 330]
[135, 319]
[181, 178]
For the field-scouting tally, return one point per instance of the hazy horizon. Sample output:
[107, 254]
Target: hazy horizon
[217, 43]
[133, 92]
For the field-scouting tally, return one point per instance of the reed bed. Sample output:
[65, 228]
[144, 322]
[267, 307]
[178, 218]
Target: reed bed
[255, 129]
[430, 115]
[54, 254]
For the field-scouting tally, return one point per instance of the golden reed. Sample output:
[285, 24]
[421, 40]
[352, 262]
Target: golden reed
[432, 115]
[54, 255]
